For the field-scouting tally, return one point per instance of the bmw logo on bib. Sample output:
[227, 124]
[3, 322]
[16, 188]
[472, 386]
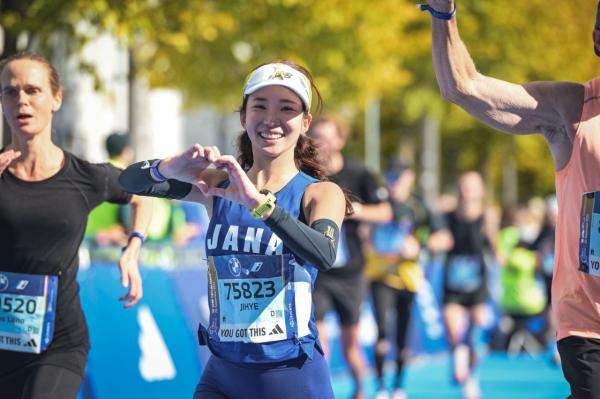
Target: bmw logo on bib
[235, 267]
[3, 282]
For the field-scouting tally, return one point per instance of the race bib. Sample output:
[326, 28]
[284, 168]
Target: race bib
[389, 238]
[342, 255]
[27, 311]
[589, 239]
[464, 273]
[254, 298]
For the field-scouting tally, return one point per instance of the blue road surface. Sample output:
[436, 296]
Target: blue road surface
[500, 377]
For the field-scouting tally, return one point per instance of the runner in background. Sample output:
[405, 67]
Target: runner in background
[343, 288]
[394, 270]
[465, 291]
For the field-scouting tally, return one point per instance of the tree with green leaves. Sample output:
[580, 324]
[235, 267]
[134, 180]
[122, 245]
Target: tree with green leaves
[356, 50]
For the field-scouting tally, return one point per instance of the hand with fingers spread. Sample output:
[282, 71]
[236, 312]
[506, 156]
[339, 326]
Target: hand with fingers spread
[130, 274]
[240, 189]
[188, 165]
[7, 157]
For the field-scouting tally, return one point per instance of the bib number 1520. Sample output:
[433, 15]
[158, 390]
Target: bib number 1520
[18, 305]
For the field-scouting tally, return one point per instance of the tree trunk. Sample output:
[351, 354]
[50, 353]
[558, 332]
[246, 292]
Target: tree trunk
[430, 159]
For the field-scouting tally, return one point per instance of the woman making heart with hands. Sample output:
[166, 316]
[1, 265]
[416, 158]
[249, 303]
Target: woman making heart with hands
[275, 223]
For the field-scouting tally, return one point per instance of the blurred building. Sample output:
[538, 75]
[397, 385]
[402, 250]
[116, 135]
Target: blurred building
[98, 103]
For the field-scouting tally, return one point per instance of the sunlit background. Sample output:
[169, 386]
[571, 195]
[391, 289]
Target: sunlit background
[170, 73]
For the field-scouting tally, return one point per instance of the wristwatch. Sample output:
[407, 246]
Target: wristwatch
[266, 206]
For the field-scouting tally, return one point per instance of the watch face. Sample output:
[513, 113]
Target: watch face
[265, 207]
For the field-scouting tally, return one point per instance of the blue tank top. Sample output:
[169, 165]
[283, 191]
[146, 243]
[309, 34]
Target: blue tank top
[260, 294]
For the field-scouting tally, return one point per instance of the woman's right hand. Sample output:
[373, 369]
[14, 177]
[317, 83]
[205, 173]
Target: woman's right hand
[7, 157]
[188, 165]
[410, 248]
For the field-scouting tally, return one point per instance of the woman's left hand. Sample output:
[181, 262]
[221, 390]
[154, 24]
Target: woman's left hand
[130, 274]
[240, 189]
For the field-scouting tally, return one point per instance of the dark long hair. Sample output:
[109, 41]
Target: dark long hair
[306, 155]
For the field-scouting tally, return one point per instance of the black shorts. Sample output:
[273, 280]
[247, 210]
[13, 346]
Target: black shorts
[580, 360]
[342, 294]
[466, 299]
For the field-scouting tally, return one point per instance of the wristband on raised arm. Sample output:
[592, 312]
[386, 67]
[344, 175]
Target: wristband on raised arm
[437, 14]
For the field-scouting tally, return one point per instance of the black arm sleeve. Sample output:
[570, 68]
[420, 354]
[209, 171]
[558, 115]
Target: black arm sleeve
[316, 244]
[136, 179]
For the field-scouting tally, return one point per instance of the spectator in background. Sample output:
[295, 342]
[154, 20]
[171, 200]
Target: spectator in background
[393, 268]
[343, 287]
[523, 297]
[105, 223]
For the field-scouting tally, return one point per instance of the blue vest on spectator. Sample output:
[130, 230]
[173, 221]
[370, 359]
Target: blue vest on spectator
[260, 294]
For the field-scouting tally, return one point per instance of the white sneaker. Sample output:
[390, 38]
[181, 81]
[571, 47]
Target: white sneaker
[461, 364]
[471, 389]
[382, 394]
[398, 394]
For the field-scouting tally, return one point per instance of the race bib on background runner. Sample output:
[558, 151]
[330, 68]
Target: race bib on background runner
[342, 255]
[389, 238]
[464, 273]
[252, 298]
[589, 236]
[27, 311]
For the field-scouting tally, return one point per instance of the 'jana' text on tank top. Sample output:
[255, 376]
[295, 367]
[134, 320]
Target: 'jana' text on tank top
[251, 240]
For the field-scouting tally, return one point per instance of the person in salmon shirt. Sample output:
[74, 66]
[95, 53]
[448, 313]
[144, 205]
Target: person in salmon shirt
[567, 114]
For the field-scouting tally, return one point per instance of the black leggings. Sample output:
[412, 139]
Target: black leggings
[41, 382]
[386, 299]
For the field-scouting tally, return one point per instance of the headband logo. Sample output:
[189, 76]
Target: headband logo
[279, 74]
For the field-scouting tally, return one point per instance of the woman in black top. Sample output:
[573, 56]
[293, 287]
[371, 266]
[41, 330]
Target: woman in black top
[46, 195]
[465, 288]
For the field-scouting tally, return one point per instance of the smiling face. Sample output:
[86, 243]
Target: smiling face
[274, 118]
[27, 98]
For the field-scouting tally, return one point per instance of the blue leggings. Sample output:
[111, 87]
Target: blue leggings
[301, 378]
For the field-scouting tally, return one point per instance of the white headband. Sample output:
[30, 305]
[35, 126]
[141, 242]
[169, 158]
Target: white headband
[279, 75]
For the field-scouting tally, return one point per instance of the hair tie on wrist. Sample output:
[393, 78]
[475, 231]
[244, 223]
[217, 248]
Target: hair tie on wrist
[133, 234]
[156, 173]
[138, 235]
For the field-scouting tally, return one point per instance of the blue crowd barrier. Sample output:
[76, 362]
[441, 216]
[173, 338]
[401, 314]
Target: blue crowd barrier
[148, 351]
[151, 350]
